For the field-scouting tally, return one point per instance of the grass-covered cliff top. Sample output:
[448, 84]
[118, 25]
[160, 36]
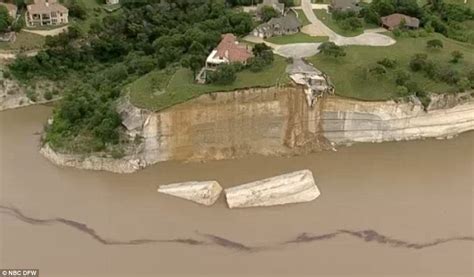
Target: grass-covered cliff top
[160, 89]
[350, 77]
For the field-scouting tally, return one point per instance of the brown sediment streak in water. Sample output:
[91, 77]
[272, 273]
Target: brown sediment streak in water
[214, 240]
[373, 236]
[89, 231]
[228, 243]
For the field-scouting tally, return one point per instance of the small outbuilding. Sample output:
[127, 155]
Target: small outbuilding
[396, 20]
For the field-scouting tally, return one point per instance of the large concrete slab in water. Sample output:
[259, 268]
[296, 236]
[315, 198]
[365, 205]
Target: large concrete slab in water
[205, 193]
[295, 187]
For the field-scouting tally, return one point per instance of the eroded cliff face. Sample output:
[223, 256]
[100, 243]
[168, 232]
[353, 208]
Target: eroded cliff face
[275, 121]
[234, 124]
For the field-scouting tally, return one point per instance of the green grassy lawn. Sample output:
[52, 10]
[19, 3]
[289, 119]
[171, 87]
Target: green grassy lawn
[296, 38]
[346, 75]
[302, 17]
[24, 41]
[160, 89]
[326, 18]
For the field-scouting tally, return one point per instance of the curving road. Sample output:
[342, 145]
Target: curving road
[368, 38]
[318, 28]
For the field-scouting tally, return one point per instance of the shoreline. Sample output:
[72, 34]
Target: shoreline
[276, 122]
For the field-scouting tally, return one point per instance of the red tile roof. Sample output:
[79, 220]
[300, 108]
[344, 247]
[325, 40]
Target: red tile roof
[230, 49]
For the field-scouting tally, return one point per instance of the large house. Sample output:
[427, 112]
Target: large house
[46, 12]
[228, 51]
[395, 20]
[11, 8]
[344, 5]
[275, 4]
[277, 26]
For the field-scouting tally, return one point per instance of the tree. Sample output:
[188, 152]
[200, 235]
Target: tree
[436, 4]
[224, 74]
[418, 61]
[464, 84]
[257, 64]
[456, 56]
[193, 62]
[402, 76]
[378, 70]
[267, 13]
[402, 91]
[331, 49]
[388, 63]
[370, 15]
[5, 19]
[434, 44]
[449, 75]
[351, 23]
[76, 8]
[383, 7]
[263, 52]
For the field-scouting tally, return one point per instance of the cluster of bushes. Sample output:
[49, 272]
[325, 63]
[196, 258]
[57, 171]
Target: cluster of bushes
[331, 49]
[226, 73]
[406, 87]
[441, 72]
[348, 20]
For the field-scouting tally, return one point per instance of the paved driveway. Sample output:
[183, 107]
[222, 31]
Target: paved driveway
[294, 50]
[298, 50]
[368, 38]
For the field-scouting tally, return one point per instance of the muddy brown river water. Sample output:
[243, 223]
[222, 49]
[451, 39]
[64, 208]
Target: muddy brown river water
[392, 209]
